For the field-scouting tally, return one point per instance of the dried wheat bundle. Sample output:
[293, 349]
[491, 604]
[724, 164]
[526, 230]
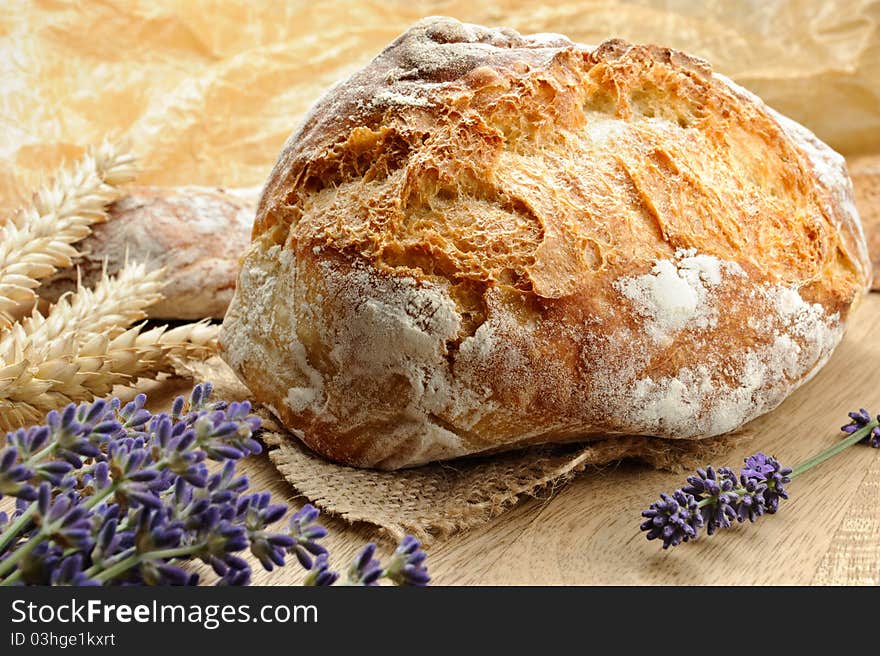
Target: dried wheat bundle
[109, 308]
[47, 362]
[38, 239]
[86, 343]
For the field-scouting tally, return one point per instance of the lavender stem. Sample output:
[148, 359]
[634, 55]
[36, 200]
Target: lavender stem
[15, 527]
[100, 496]
[133, 560]
[822, 456]
[122, 555]
[12, 559]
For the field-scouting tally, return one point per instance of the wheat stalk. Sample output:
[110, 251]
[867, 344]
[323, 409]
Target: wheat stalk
[74, 372]
[38, 239]
[86, 343]
[109, 308]
[84, 346]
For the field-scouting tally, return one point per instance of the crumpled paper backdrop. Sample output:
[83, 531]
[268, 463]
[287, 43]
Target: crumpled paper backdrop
[206, 91]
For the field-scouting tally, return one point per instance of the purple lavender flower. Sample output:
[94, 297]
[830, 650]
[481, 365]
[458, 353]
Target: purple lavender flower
[751, 499]
[859, 420]
[715, 497]
[219, 540]
[135, 479]
[21, 505]
[714, 493]
[101, 476]
[257, 514]
[719, 497]
[320, 573]
[674, 519]
[178, 407]
[126, 498]
[200, 398]
[37, 566]
[73, 439]
[365, 570]
[181, 455]
[235, 576]
[767, 471]
[69, 571]
[155, 529]
[106, 540]
[15, 477]
[223, 485]
[55, 472]
[306, 532]
[758, 466]
[29, 441]
[62, 520]
[161, 573]
[227, 434]
[186, 505]
[134, 416]
[407, 564]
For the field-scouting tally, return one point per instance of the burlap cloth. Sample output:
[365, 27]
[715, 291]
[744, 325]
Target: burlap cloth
[440, 499]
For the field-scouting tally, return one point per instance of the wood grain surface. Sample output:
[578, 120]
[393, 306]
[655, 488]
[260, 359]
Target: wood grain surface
[586, 532]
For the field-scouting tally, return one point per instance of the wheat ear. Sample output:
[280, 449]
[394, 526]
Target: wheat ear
[37, 240]
[28, 391]
[109, 308]
[83, 347]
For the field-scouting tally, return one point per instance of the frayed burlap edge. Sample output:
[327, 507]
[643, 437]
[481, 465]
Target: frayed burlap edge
[440, 499]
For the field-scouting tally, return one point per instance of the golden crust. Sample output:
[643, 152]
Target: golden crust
[484, 240]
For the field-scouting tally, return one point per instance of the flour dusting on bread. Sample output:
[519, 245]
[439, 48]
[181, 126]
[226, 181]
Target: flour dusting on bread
[676, 292]
[725, 389]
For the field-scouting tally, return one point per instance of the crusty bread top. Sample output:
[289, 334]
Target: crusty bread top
[481, 155]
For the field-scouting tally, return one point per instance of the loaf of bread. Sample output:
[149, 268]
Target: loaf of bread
[197, 233]
[485, 240]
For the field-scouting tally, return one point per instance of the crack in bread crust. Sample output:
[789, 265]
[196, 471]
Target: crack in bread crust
[500, 240]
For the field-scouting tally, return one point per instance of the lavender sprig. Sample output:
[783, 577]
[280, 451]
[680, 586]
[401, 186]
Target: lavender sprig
[407, 565]
[715, 498]
[365, 570]
[108, 493]
[305, 534]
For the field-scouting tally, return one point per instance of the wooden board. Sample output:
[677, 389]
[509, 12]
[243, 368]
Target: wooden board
[587, 531]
